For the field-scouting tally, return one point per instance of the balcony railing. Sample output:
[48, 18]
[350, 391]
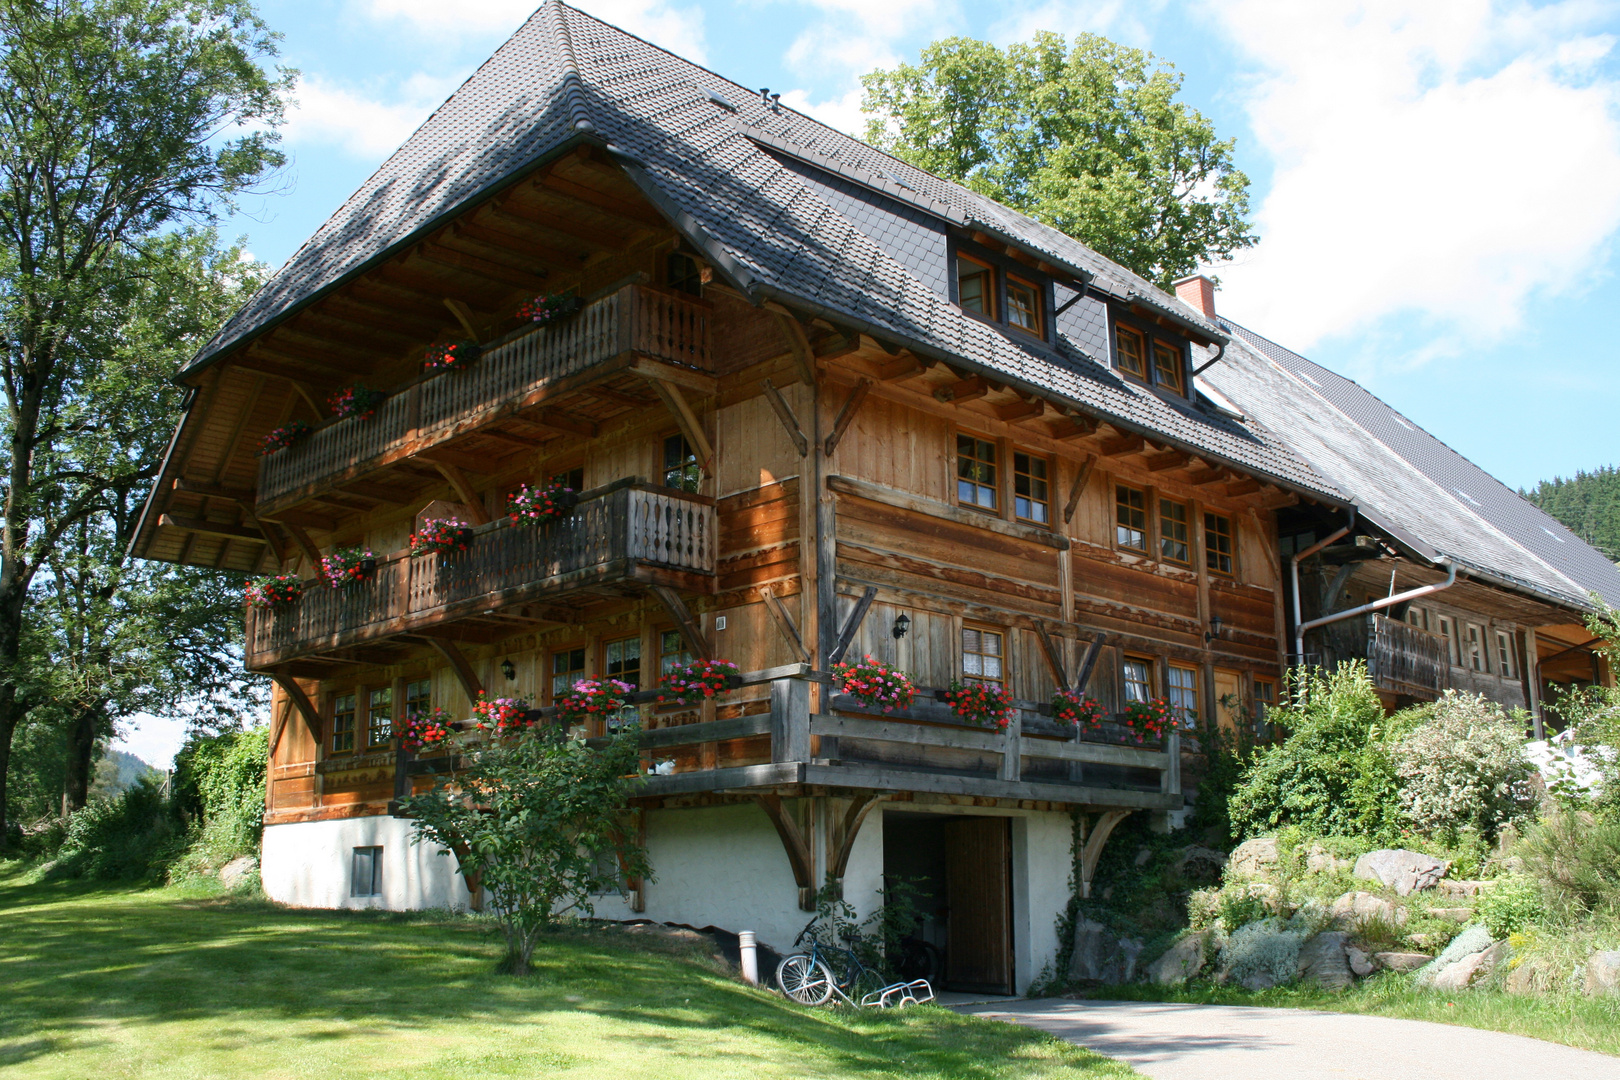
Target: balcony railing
[442, 404]
[1405, 660]
[627, 533]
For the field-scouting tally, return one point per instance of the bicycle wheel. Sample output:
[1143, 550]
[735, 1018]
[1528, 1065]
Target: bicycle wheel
[804, 979]
[866, 981]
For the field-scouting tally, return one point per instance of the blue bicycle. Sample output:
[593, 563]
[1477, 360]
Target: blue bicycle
[813, 977]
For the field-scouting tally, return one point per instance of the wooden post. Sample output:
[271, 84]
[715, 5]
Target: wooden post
[1012, 741]
[790, 720]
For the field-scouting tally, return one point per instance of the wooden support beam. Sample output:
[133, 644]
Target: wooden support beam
[798, 851]
[684, 622]
[1171, 459]
[852, 624]
[784, 623]
[1081, 478]
[487, 269]
[854, 817]
[905, 366]
[1100, 831]
[1243, 487]
[1021, 410]
[1073, 427]
[463, 315]
[974, 386]
[211, 528]
[835, 344]
[1086, 666]
[1205, 477]
[690, 426]
[244, 496]
[526, 246]
[601, 201]
[846, 415]
[306, 708]
[459, 664]
[1122, 446]
[1054, 659]
[464, 491]
[268, 531]
[307, 546]
[785, 414]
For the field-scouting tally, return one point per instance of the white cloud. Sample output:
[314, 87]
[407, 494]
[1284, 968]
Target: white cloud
[1444, 159]
[843, 113]
[153, 739]
[369, 125]
[678, 29]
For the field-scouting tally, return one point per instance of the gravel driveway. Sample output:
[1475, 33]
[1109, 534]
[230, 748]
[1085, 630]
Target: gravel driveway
[1224, 1042]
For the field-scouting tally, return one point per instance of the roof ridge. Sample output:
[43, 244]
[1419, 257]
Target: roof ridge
[573, 87]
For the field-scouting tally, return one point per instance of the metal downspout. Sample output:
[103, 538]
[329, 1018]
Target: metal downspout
[1388, 601]
[1293, 571]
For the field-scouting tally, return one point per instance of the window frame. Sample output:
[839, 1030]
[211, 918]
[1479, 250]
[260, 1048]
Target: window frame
[1448, 631]
[551, 672]
[371, 693]
[424, 703]
[1038, 312]
[962, 653]
[1146, 529]
[995, 482]
[1149, 665]
[1120, 330]
[1050, 467]
[1214, 551]
[1188, 715]
[1179, 385]
[352, 730]
[1264, 702]
[680, 284]
[689, 461]
[1152, 337]
[1478, 655]
[1505, 654]
[1187, 540]
[987, 271]
[373, 856]
[1001, 271]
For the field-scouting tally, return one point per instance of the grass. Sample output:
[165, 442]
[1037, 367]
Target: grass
[1571, 1019]
[113, 983]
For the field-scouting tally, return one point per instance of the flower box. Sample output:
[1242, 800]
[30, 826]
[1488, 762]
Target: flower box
[355, 401]
[1077, 710]
[282, 437]
[875, 684]
[537, 506]
[986, 704]
[425, 731]
[1147, 719]
[501, 715]
[549, 308]
[439, 536]
[592, 699]
[691, 684]
[266, 593]
[349, 566]
[452, 355]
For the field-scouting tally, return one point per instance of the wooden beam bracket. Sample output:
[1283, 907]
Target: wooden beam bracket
[1100, 831]
[690, 425]
[784, 623]
[306, 708]
[463, 489]
[798, 850]
[1080, 480]
[1086, 666]
[684, 622]
[458, 662]
[784, 413]
[852, 624]
[846, 415]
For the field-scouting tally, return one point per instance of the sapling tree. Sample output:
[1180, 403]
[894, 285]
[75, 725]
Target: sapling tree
[542, 823]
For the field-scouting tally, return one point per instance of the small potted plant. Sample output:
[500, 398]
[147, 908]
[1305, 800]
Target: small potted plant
[355, 401]
[875, 684]
[1079, 711]
[501, 715]
[537, 506]
[452, 355]
[431, 730]
[280, 591]
[549, 308]
[690, 684]
[282, 437]
[1147, 719]
[348, 566]
[591, 699]
[986, 704]
[439, 536]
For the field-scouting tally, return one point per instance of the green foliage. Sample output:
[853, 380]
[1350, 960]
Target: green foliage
[1266, 950]
[1577, 858]
[219, 784]
[134, 836]
[1239, 907]
[1333, 776]
[1227, 753]
[878, 940]
[1087, 137]
[542, 823]
[1512, 905]
[1588, 504]
[1462, 767]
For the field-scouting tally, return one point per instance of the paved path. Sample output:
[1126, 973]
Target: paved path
[1225, 1042]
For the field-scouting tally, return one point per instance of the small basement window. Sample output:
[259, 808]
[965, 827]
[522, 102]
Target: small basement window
[365, 872]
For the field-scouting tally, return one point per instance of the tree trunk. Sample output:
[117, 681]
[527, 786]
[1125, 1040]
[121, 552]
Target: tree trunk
[81, 753]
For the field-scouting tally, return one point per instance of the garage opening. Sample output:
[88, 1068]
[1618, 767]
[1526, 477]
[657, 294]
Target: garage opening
[962, 866]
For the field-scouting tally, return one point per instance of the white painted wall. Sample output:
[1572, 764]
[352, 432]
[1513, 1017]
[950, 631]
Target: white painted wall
[307, 864]
[1041, 844]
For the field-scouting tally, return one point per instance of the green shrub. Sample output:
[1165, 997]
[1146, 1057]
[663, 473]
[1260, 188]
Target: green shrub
[1462, 767]
[1263, 950]
[1577, 858]
[1239, 906]
[133, 836]
[1512, 905]
[1333, 776]
[219, 783]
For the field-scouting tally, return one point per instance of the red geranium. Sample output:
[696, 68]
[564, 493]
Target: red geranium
[1077, 709]
[501, 714]
[356, 400]
[1147, 719]
[438, 535]
[282, 437]
[689, 684]
[540, 505]
[453, 354]
[273, 592]
[345, 566]
[425, 731]
[548, 307]
[591, 699]
[984, 703]
[875, 684]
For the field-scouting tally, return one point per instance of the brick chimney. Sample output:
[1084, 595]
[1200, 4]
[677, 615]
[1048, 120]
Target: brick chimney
[1198, 292]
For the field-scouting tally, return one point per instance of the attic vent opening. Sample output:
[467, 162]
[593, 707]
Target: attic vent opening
[1467, 496]
[1552, 534]
[720, 100]
[1308, 379]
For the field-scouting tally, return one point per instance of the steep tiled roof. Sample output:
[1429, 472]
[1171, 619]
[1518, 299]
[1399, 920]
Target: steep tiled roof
[1406, 480]
[850, 235]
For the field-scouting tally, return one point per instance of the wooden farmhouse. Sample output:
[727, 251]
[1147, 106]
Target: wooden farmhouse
[817, 404]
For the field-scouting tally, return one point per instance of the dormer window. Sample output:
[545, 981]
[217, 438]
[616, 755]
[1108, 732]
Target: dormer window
[1132, 352]
[1146, 354]
[1001, 290]
[1167, 367]
[975, 286]
[1023, 306]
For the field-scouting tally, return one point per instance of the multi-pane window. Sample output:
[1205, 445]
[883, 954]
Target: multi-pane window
[344, 707]
[1476, 650]
[623, 660]
[672, 651]
[1137, 679]
[1130, 518]
[976, 472]
[1132, 351]
[379, 716]
[365, 872]
[682, 470]
[1265, 697]
[683, 274]
[419, 697]
[1174, 532]
[975, 287]
[572, 479]
[1182, 694]
[983, 655]
[1504, 654]
[1032, 493]
[1167, 367]
[567, 668]
[1418, 617]
[1023, 306]
[1448, 630]
[1218, 543]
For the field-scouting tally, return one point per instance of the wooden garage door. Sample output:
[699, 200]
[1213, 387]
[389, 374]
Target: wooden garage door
[978, 887]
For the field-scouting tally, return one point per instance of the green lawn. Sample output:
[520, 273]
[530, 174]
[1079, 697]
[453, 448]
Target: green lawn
[161, 983]
[1572, 1019]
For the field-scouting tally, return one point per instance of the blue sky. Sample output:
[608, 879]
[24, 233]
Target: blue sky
[1436, 182]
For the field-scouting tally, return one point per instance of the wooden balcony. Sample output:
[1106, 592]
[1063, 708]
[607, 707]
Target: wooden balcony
[620, 539]
[514, 381]
[1405, 660]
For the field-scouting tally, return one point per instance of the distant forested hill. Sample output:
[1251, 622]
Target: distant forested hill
[1589, 503]
[118, 770]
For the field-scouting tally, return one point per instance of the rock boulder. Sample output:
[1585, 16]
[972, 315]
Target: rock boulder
[1603, 974]
[1255, 858]
[1102, 956]
[1464, 953]
[1361, 965]
[1401, 961]
[237, 871]
[1319, 860]
[1355, 909]
[1184, 960]
[1404, 871]
[1324, 962]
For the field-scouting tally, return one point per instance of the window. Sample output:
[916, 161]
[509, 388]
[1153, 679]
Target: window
[1138, 679]
[1130, 518]
[1477, 658]
[1132, 351]
[365, 872]
[672, 651]
[1173, 532]
[1448, 630]
[567, 668]
[1218, 543]
[683, 274]
[1504, 654]
[975, 287]
[379, 717]
[343, 710]
[1265, 697]
[1418, 617]
[1024, 307]
[1182, 696]
[624, 660]
[572, 479]
[1032, 495]
[419, 697]
[681, 468]
[1167, 367]
[976, 473]
[983, 655]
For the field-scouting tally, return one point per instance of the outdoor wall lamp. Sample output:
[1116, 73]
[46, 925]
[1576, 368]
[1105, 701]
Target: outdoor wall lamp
[1214, 630]
[901, 625]
[508, 670]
